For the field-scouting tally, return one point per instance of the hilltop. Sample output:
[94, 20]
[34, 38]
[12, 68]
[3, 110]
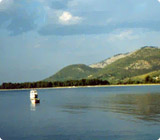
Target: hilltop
[73, 72]
[117, 68]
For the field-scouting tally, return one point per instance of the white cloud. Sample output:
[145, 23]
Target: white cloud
[68, 18]
[1, 1]
[123, 35]
[158, 0]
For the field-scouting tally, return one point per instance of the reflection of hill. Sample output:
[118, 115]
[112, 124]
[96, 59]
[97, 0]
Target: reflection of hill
[141, 106]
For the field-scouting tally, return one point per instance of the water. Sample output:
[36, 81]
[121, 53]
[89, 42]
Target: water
[104, 113]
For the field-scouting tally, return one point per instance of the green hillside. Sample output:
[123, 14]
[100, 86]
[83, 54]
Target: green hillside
[73, 72]
[142, 77]
[142, 61]
[139, 63]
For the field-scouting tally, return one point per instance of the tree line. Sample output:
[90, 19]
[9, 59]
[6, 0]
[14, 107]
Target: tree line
[84, 82]
[43, 84]
[147, 80]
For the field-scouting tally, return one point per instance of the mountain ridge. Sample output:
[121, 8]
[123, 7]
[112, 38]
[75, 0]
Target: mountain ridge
[114, 69]
[109, 60]
[72, 72]
[142, 61]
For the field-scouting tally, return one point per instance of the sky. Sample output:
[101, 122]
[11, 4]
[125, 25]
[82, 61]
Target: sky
[39, 37]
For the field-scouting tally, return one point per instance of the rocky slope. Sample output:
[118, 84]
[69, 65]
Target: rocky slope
[108, 61]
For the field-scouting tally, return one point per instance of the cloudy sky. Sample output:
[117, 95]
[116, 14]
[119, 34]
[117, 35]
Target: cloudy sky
[39, 37]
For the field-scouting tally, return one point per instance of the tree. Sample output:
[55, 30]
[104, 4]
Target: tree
[148, 79]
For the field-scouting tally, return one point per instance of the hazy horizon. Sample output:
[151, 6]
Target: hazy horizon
[39, 37]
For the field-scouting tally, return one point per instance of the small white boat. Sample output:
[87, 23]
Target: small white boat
[34, 96]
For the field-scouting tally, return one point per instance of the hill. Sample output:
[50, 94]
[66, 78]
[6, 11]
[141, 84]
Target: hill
[142, 61]
[73, 72]
[114, 69]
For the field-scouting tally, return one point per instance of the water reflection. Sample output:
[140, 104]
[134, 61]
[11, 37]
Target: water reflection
[140, 106]
[33, 106]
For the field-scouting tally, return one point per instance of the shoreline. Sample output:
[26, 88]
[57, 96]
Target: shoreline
[67, 87]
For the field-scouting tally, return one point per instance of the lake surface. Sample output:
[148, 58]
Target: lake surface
[97, 113]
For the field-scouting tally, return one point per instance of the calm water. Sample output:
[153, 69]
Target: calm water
[104, 113]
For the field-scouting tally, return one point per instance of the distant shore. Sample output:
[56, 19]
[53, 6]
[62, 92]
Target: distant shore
[84, 86]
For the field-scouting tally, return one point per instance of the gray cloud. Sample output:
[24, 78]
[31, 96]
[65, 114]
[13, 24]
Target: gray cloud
[56, 4]
[22, 16]
[19, 18]
[3, 18]
[95, 29]
[20, 25]
[74, 29]
[59, 4]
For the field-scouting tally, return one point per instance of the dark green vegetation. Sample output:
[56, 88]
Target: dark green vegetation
[43, 84]
[133, 68]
